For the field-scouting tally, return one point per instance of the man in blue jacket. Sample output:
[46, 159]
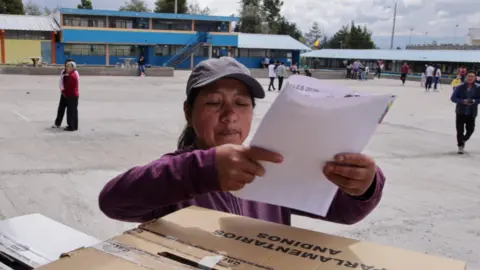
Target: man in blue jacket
[467, 97]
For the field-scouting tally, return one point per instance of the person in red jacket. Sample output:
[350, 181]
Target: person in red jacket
[71, 94]
[405, 69]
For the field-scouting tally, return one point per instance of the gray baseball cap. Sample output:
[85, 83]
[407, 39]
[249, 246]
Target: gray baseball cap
[211, 70]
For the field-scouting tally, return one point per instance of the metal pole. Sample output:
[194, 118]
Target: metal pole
[455, 35]
[410, 39]
[176, 6]
[394, 22]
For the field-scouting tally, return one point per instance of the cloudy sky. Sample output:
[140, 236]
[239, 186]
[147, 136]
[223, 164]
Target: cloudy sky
[437, 17]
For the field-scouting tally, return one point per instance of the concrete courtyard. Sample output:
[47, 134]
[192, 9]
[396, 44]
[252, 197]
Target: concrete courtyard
[431, 201]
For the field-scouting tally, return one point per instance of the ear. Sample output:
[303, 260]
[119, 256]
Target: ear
[187, 111]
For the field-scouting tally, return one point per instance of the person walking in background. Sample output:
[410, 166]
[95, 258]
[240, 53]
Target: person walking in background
[429, 74]
[62, 104]
[436, 80]
[294, 69]
[141, 66]
[71, 93]
[379, 70]
[281, 74]
[349, 70]
[405, 69]
[462, 71]
[467, 98]
[271, 75]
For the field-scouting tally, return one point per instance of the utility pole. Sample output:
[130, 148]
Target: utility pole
[455, 34]
[410, 39]
[394, 22]
[176, 6]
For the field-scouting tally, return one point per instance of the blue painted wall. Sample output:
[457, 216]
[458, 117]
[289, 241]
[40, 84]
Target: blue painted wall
[141, 37]
[254, 62]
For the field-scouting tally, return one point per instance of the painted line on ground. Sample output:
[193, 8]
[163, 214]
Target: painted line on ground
[22, 116]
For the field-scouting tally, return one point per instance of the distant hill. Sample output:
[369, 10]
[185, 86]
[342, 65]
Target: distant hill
[383, 42]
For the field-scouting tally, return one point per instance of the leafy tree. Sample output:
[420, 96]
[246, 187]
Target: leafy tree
[47, 11]
[85, 4]
[168, 6]
[313, 35]
[271, 9]
[135, 6]
[198, 10]
[289, 28]
[31, 8]
[11, 7]
[353, 37]
[250, 17]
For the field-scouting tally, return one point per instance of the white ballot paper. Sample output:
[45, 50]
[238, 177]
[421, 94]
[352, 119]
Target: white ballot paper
[309, 123]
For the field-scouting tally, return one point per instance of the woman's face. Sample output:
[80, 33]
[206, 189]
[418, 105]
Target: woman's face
[222, 114]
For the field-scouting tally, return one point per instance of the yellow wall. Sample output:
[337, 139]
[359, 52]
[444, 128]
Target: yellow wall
[16, 50]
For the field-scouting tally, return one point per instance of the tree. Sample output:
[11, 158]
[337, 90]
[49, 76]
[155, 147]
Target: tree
[85, 4]
[135, 6]
[289, 28]
[353, 37]
[32, 9]
[271, 9]
[47, 11]
[11, 7]
[250, 17]
[198, 10]
[168, 6]
[313, 35]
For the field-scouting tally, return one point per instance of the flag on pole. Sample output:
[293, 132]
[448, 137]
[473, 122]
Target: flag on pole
[317, 43]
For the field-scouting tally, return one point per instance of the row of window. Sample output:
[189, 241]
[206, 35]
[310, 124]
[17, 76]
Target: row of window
[166, 50]
[36, 35]
[143, 23]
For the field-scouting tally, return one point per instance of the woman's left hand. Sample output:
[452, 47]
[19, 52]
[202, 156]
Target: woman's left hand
[352, 173]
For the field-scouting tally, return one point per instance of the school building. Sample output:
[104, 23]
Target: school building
[26, 37]
[448, 60]
[103, 37]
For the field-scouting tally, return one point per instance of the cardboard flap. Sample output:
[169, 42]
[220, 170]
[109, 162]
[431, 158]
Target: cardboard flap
[274, 246]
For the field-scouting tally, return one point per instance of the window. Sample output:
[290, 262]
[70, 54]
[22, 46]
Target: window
[280, 54]
[122, 50]
[121, 23]
[84, 50]
[202, 51]
[162, 50]
[176, 25]
[28, 35]
[242, 52]
[257, 53]
[84, 21]
[205, 26]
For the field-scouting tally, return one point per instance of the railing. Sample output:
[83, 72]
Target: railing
[191, 47]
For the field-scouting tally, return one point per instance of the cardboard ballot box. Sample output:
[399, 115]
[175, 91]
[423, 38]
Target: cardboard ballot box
[196, 238]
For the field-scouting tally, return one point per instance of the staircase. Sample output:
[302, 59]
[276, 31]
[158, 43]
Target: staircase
[185, 52]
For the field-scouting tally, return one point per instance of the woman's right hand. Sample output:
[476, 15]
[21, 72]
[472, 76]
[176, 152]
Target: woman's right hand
[237, 165]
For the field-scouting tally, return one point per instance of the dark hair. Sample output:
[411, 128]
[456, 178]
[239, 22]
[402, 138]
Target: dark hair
[69, 60]
[471, 71]
[188, 136]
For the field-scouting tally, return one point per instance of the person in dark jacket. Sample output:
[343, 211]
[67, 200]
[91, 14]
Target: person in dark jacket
[467, 97]
[141, 66]
[71, 94]
[211, 160]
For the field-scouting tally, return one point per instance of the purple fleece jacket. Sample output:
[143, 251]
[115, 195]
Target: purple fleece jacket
[189, 177]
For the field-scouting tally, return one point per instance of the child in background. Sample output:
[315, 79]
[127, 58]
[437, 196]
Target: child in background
[456, 82]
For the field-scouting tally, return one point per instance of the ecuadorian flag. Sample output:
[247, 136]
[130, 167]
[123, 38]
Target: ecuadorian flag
[316, 44]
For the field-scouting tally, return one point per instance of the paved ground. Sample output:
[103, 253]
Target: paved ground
[431, 202]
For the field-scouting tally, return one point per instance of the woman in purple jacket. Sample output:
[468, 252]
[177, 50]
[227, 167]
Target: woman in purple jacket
[211, 160]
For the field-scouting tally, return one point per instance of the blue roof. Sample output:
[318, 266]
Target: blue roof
[456, 56]
[113, 13]
[264, 41]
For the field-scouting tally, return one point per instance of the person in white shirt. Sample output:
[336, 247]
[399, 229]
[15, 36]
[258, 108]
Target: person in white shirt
[266, 62]
[271, 75]
[429, 74]
[62, 104]
[281, 74]
[437, 76]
